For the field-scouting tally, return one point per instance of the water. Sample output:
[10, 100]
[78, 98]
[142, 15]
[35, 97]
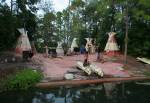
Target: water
[102, 93]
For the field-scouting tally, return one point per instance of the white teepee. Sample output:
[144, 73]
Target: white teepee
[74, 44]
[111, 45]
[23, 43]
[59, 49]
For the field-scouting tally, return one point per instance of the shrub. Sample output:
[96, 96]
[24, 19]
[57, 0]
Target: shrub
[21, 80]
[147, 73]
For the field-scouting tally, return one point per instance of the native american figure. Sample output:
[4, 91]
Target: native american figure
[111, 47]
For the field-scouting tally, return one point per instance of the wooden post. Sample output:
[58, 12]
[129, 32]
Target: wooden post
[46, 51]
[126, 34]
[85, 82]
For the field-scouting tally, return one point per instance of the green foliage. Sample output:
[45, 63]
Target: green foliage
[16, 17]
[7, 28]
[82, 18]
[147, 73]
[23, 79]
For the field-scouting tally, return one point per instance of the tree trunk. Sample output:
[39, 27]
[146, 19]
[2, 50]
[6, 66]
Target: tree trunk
[126, 34]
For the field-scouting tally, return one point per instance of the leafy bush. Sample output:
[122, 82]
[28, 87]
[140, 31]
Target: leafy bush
[21, 80]
[147, 73]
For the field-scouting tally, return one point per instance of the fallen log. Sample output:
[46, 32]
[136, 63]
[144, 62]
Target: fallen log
[85, 69]
[85, 82]
[97, 70]
[90, 69]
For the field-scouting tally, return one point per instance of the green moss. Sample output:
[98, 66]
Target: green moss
[21, 80]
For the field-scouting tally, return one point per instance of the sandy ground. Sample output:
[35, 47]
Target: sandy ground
[56, 68]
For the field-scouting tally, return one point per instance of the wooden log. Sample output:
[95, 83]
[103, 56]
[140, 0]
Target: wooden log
[85, 82]
[85, 69]
[91, 68]
[97, 70]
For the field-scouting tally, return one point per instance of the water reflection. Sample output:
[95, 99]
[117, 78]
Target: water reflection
[102, 93]
[109, 87]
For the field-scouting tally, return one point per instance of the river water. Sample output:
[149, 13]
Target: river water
[130, 92]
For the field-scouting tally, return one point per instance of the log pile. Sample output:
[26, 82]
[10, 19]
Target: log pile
[85, 69]
[90, 69]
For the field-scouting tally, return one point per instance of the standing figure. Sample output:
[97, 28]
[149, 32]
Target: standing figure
[98, 53]
[82, 50]
[86, 60]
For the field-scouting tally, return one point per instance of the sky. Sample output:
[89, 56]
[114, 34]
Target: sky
[58, 5]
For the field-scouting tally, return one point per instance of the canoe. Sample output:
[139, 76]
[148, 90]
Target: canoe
[145, 60]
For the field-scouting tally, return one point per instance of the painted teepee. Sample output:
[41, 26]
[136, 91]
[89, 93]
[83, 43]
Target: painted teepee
[111, 47]
[89, 46]
[23, 43]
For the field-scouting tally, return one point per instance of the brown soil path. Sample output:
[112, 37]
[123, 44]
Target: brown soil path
[55, 68]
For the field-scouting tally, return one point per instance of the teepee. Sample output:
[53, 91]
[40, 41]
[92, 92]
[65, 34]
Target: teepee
[23, 43]
[89, 46]
[74, 44]
[59, 49]
[111, 47]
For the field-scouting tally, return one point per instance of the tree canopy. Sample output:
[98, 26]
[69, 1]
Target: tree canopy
[81, 19]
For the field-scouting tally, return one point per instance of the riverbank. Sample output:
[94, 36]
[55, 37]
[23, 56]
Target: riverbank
[55, 69]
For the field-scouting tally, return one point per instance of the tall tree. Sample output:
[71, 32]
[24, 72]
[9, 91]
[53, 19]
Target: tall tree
[7, 22]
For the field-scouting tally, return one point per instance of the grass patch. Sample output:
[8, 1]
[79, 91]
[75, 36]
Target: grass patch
[147, 73]
[21, 80]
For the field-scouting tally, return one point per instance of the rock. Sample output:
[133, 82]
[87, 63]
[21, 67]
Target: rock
[69, 76]
[6, 60]
[13, 59]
